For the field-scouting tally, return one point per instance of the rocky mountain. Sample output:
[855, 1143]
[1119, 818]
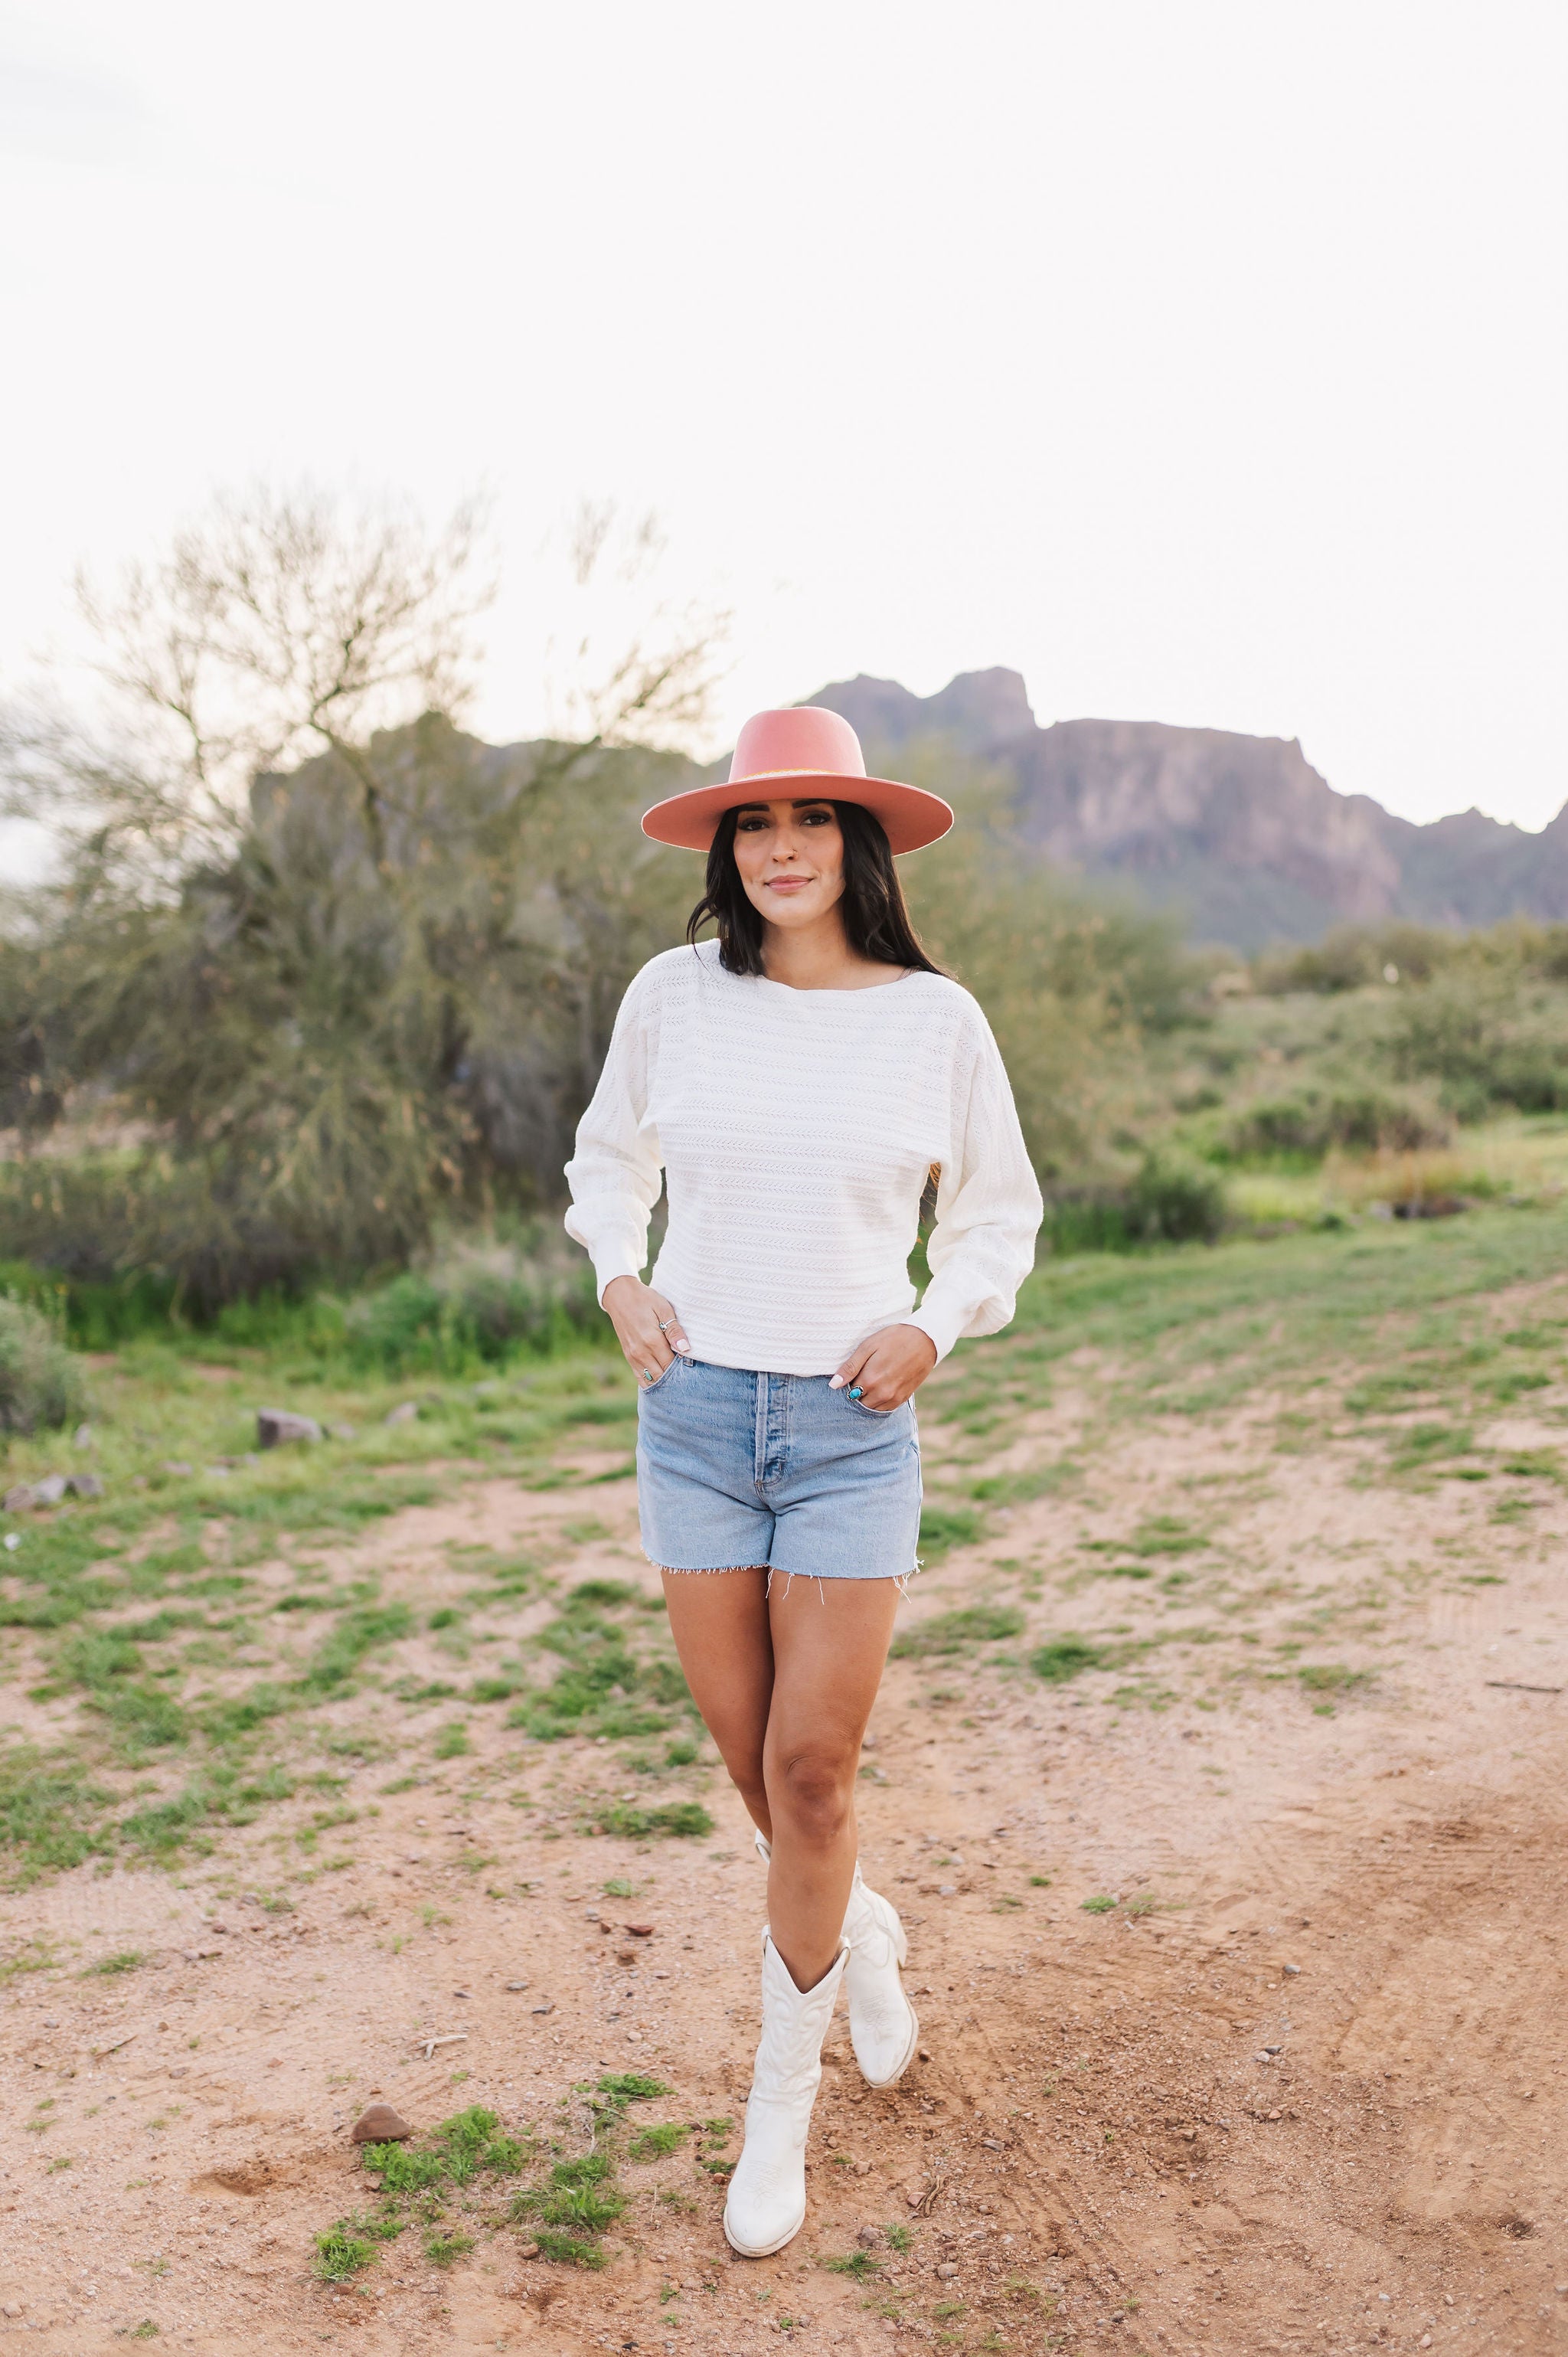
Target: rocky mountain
[1241, 833]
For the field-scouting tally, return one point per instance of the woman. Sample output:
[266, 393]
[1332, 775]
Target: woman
[799, 1080]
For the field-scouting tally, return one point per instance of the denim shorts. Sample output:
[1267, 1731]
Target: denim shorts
[735, 1469]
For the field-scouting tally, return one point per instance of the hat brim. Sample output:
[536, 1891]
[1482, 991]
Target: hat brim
[911, 817]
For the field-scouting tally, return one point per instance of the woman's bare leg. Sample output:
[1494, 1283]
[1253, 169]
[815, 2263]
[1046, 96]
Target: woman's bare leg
[719, 1622]
[830, 1645]
[786, 1683]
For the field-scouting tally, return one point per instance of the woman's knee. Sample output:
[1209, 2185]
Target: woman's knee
[742, 1756]
[810, 1788]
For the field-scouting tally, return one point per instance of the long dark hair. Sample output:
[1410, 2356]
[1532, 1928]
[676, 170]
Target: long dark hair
[876, 922]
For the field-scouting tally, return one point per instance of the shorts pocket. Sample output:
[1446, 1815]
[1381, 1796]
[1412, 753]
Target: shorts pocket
[877, 1414]
[646, 1391]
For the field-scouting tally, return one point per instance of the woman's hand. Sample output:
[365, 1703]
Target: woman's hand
[646, 1327]
[887, 1368]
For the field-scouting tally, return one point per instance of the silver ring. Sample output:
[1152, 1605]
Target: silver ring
[648, 1374]
[665, 1324]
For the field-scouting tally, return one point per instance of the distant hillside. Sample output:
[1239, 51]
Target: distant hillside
[1240, 833]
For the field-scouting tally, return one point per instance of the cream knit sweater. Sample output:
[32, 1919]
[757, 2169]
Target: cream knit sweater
[795, 1129]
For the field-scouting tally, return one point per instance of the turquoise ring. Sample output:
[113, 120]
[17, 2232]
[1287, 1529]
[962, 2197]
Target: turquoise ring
[853, 1392]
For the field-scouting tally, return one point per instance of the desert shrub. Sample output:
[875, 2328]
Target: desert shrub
[40, 1385]
[1175, 1200]
[1362, 1120]
[479, 1299]
[1172, 1198]
[1485, 1042]
[1352, 956]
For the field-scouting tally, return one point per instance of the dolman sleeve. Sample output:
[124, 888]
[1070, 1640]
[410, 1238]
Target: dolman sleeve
[988, 1203]
[615, 1173]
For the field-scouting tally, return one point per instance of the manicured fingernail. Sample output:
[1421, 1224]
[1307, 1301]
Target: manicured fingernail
[682, 1346]
[835, 1382]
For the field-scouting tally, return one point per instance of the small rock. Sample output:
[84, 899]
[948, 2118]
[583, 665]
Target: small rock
[515, 1988]
[460, 1992]
[1292, 1970]
[541, 2009]
[277, 1425]
[50, 1490]
[925, 2053]
[379, 2124]
[945, 2272]
[868, 2238]
[176, 1465]
[639, 1931]
[18, 1498]
[529, 2251]
[947, 1889]
[405, 1413]
[13, 1541]
[84, 1485]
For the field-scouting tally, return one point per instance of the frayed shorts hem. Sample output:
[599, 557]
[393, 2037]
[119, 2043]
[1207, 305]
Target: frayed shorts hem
[783, 1571]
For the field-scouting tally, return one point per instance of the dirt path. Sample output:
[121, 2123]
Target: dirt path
[1298, 2087]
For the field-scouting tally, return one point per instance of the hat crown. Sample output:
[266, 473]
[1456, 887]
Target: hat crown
[806, 739]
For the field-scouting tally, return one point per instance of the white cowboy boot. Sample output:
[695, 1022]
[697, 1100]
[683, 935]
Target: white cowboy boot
[883, 2026]
[766, 2205]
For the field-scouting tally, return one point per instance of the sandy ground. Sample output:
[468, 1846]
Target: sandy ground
[1313, 2098]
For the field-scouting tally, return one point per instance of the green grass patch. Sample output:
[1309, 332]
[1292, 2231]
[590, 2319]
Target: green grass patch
[675, 1820]
[446, 2245]
[341, 2254]
[1064, 1657]
[52, 1813]
[468, 2144]
[956, 1633]
[942, 1527]
[1332, 1677]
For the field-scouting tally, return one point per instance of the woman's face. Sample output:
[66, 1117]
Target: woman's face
[791, 860]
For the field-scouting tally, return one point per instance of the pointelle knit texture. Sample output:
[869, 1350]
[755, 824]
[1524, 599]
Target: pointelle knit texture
[794, 1130]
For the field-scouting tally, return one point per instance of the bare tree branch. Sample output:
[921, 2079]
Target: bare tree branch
[280, 625]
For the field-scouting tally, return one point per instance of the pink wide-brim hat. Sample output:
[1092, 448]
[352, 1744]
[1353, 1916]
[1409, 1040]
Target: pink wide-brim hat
[800, 755]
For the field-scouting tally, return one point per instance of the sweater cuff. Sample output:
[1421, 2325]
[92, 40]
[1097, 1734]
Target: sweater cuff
[941, 1325]
[612, 1260]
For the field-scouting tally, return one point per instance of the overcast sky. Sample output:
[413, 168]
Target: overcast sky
[1205, 362]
